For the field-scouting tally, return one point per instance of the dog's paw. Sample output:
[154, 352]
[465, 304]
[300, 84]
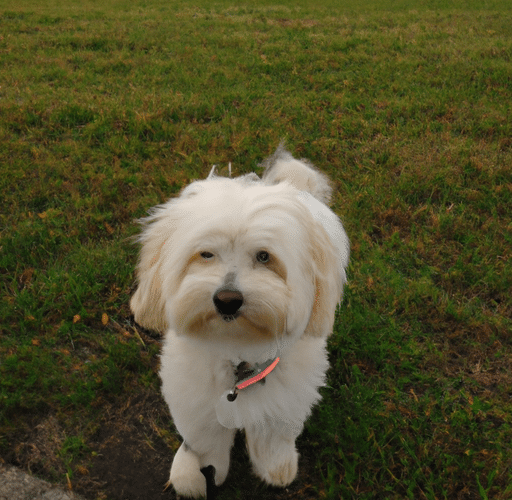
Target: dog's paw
[284, 472]
[186, 476]
[277, 467]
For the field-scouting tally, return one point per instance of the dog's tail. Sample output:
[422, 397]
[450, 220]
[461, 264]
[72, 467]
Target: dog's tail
[282, 166]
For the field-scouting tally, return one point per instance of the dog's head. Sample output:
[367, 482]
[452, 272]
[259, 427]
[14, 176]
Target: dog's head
[239, 260]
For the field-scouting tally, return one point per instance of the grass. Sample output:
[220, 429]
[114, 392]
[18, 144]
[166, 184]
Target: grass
[108, 109]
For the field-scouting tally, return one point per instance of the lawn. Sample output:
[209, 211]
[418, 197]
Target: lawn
[108, 108]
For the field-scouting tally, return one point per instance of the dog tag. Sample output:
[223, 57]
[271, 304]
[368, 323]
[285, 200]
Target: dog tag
[227, 412]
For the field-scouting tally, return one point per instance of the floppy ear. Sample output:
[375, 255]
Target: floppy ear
[147, 303]
[329, 278]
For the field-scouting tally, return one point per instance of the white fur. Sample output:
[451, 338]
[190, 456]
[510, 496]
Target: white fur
[209, 239]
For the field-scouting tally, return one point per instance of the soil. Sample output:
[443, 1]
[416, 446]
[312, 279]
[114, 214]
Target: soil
[133, 460]
[132, 452]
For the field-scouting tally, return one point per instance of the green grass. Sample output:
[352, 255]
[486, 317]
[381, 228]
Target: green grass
[107, 109]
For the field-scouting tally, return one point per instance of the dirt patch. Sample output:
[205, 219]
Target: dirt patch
[128, 455]
[133, 450]
[135, 446]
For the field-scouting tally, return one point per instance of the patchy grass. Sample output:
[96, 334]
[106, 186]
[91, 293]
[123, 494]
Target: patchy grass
[108, 109]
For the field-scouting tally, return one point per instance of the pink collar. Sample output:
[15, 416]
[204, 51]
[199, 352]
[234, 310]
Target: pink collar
[246, 376]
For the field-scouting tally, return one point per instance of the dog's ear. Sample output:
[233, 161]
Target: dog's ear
[301, 174]
[147, 303]
[329, 277]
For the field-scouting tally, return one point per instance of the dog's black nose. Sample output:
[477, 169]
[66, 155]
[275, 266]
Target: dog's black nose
[228, 302]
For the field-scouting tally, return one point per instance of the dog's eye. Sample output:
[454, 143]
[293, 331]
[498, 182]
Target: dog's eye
[207, 255]
[263, 257]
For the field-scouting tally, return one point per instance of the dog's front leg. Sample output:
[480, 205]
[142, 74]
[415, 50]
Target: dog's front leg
[212, 448]
[216, 449]
[273, 453]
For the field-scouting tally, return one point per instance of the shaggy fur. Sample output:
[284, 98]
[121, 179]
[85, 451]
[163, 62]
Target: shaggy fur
[241, 271]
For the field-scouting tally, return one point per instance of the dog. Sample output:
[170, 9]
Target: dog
[244, 276]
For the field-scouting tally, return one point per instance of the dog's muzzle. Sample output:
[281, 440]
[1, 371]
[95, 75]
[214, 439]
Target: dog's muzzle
[228, 302]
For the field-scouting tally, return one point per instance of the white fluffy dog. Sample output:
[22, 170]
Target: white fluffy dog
[244, 276]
